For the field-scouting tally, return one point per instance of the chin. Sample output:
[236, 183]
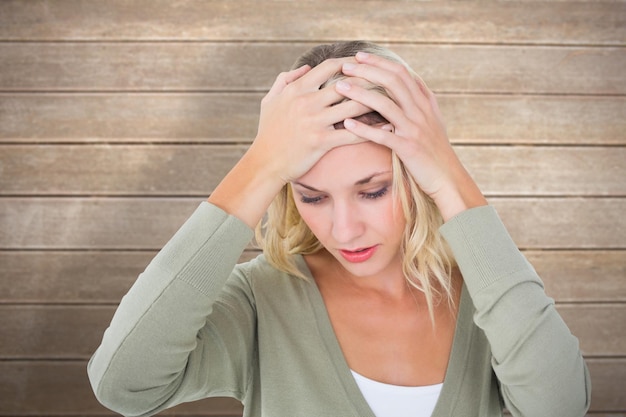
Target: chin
[366, 269]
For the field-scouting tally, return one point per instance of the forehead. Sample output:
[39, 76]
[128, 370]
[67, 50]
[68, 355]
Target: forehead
[348, 164]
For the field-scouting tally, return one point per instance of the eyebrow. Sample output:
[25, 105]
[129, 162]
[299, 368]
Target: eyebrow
[359, 182]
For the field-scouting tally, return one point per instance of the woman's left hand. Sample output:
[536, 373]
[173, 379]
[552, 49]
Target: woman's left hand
[417, 133]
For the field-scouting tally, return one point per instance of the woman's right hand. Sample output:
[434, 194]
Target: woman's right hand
[296, 128]
[296, 124]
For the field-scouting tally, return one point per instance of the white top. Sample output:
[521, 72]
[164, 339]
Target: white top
[387, 400]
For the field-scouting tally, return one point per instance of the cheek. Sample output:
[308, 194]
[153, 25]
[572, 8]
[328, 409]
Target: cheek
[313, 217]
[394, 217]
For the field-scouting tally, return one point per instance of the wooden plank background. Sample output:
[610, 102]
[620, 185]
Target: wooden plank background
[118, 117]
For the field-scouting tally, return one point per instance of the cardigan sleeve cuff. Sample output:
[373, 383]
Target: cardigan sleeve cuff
[206, 248]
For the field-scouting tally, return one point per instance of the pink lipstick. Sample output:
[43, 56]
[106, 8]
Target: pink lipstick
[358, 255]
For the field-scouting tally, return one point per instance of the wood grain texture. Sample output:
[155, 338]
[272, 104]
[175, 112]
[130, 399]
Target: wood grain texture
[196, 169]
[147, 223]
[541, 22]
[117, 118]
[74, 332]
[81, 277]
[228, 117]
[577, 275]
[61, 388]
[235, 66]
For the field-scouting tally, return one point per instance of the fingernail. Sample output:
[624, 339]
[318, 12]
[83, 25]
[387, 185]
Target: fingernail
[362, 55]
[349, 66]
[349, 124]
[342, 85]
[388, 127]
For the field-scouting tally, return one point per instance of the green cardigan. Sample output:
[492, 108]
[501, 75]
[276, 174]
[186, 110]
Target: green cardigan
[196, 325]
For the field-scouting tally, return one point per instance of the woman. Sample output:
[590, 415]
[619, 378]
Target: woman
[357, 307]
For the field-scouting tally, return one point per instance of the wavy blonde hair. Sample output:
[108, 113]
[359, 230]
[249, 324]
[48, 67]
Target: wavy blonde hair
[427, 261]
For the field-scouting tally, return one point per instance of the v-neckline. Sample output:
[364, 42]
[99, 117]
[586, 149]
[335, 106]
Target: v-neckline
[453, 377]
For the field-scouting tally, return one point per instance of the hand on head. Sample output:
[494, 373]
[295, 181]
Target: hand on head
[418, 135]
[298, 118]
[300, 122]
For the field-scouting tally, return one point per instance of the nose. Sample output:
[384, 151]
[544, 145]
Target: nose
[347, 224]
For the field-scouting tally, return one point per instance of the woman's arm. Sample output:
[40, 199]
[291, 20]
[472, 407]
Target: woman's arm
[535, 357]
[169, 340]
[296, 128]
[418, 136]
[186, 330]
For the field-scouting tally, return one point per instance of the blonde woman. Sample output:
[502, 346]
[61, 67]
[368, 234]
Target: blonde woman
[388, 286]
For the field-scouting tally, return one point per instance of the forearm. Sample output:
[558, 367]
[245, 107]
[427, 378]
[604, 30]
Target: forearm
[248, 189]
[141, 361]
[460, 193]
[535, 357]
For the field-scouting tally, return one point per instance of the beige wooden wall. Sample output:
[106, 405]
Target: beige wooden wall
[118, 117]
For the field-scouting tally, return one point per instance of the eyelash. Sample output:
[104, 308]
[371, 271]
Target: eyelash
[310, 200]
[376, 194]
[368, 196]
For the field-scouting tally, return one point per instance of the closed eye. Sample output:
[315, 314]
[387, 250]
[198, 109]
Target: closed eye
[311, 200]
[376, 194]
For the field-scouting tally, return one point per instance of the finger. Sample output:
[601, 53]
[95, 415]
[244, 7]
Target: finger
[285, 78]
[403, 89]
[400, 84]
[329, 96]
[393, 66]
[383, 135]
[378, 102]
[344, 110]
[291, 76]
[341, 137]
[323, 72]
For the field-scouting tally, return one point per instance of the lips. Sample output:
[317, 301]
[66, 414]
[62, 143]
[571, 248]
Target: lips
[358, 255]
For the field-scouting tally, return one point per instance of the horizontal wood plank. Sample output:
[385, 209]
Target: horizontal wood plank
[115, 170]
[184, 66]
[81, 277]
[564, 223]
[117, 118]
[196, 169]
[147, 223]
[62, 389]
[74, 332]
[607, 380]
[219, 117]
[542, 22]
[599, 327]
[49, 388]
[574, 276]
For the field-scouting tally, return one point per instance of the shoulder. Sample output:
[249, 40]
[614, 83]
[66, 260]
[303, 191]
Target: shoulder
[259, 272]
[266, 282]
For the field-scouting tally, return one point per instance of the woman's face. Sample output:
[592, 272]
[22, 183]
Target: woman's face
[346, 200]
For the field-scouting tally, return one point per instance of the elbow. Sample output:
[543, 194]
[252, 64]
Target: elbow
[585, 397]
[117, 396]
[576, 401]
[124, 401]
[571, 399]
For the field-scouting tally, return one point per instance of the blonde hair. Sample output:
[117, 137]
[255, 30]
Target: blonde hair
[427, 261]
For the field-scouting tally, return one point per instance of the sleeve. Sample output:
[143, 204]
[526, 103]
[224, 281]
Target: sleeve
[536, 359]
[185, 330]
